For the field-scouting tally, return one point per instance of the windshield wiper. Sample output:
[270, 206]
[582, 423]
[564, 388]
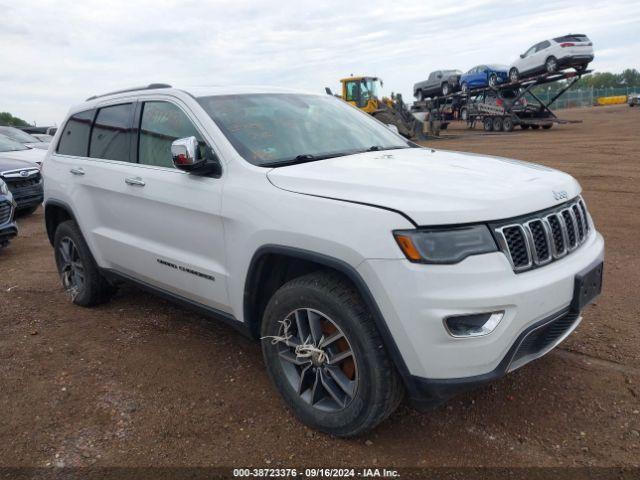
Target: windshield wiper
[303, 158]
[376, 148]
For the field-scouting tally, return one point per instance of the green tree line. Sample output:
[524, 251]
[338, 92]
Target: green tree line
[598, 80]
[7, 119]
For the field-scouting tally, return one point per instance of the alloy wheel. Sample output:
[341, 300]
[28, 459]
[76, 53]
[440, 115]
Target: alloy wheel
[317, 359]
[70, 265]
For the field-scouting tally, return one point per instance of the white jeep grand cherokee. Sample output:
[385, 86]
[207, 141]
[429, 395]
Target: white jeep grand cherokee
[366, 264]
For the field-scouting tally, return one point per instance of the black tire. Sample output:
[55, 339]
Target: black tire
[446, 88]
[377, 388]
[507, 124]
[27, 211]
[547, 126]
[551, 65]
[421, 96]
[487, 124]
[93, 289]
[497, 124]
[514, 75]
[493, 80]
[464, 88]
[535, 127]
[581, 68]
[525, 126]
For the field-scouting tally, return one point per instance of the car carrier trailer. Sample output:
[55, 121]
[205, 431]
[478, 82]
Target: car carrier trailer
[504, 116]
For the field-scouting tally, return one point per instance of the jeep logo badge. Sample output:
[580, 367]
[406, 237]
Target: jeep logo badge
[560, 194]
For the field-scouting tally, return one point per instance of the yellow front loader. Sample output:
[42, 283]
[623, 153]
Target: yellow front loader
[364, 93]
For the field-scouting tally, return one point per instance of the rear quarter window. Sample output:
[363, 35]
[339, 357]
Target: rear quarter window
[75, 136]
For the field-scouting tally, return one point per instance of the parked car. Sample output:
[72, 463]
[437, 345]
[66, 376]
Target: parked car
[43, 130]
[24, 138]
[483, 76]
[8, 227]
[573, 50]
[25, 183]
[440, 82]
[43, 137]
[368, 266]
[13, 150]
[505, 98]
[633, 99]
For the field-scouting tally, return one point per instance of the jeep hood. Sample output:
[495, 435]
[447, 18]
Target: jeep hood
[432, 187]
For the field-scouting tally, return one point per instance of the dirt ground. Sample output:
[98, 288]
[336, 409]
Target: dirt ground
[142, 382]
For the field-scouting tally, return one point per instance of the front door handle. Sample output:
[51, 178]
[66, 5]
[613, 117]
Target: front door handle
[134, 181]
[77, 171]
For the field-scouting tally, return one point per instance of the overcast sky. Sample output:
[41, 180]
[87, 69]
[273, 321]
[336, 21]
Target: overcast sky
[56, 53]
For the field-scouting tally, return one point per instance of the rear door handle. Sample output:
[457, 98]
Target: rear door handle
[134, 181]
[77, 171]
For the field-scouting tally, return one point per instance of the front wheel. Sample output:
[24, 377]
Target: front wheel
[78, 271]
[326, 358]
[465, 88]
[493, 80]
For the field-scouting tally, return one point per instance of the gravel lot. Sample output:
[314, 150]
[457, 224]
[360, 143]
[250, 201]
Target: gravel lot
[141, 382]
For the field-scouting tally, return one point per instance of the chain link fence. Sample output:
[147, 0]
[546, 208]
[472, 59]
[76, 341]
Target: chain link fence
[582, 97]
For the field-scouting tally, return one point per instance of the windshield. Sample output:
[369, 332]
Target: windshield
[8, 145]
[266, 129]
[17, 135]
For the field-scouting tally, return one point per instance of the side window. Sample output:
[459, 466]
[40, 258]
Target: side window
[160, 125]
[531, 51]
[352, 90]
[75, 136]
[111, 133]
[542, 46]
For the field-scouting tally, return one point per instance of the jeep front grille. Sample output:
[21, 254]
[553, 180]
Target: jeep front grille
[540, 238]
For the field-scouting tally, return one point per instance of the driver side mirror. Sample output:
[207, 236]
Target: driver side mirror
[522, 55]
[186, 156]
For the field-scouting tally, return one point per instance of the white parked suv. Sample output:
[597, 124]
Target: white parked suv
[573, 50]
[367, 265]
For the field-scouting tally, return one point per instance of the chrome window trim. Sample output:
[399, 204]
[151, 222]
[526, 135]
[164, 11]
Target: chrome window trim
[507, 251]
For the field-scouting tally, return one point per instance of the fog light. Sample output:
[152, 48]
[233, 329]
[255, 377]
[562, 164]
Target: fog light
[473, 325]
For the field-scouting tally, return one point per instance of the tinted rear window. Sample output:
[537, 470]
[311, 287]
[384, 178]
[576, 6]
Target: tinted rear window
[572, 38]
[111, 134]
[75, 136]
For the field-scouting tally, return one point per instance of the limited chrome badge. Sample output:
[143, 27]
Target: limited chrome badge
[560, 194]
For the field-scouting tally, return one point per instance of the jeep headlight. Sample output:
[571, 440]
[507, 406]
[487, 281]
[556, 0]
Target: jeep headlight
[4, 190]
[445, 245]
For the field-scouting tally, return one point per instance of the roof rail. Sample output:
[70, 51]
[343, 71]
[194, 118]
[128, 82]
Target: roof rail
[151, 86]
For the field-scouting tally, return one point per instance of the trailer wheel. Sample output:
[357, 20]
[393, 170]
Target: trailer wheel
[525, 126]
[547, 126]
[497, 124]
[514, 76]
[487, 123]
[535, 127]
[507, 124]
[551, 65]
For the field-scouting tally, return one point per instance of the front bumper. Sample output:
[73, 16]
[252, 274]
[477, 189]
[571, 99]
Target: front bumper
[414, 299]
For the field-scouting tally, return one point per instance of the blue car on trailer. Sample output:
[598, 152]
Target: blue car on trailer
[484, 76]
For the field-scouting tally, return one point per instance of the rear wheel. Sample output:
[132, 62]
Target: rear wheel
[487, 123]
[507, 124]
[421, 96]
[446, 89]
[547, 126]
[514, 75]
[78, 271]
[497, 124]
[551, 65]
[535, 127]
[465, 88]
[326, 357]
